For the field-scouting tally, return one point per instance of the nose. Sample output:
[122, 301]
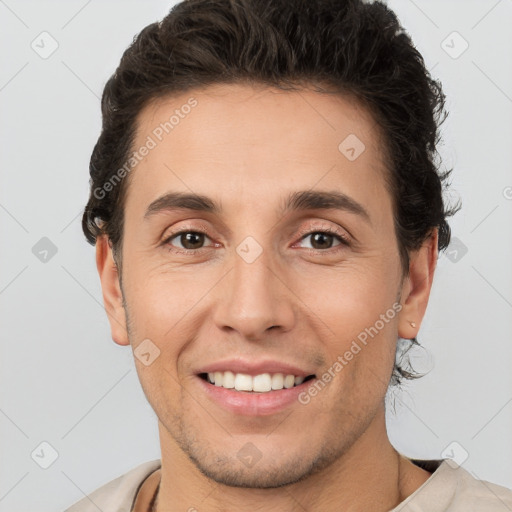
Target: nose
[254, 298]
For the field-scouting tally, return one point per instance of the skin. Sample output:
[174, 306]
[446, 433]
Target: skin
[247, 147]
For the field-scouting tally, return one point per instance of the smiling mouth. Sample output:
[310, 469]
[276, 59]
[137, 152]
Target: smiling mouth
[262, 383]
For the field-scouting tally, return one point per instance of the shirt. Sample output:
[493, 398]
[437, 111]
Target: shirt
[450, 488]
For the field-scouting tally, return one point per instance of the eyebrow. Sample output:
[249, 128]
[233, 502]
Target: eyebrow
[295, 201]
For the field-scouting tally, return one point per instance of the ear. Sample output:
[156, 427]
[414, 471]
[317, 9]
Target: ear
[112, 296]
[416, 286]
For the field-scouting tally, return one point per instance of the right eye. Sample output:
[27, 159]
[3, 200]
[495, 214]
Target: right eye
[189, 240]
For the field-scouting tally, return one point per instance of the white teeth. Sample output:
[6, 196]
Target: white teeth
[277, 381]
[229, 380]
[243, 382]
[289, 381]
[262, 383]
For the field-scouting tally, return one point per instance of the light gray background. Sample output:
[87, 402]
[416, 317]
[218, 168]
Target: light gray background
[65, 382]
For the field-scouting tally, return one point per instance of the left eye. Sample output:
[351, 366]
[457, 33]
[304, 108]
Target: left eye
[323, 239]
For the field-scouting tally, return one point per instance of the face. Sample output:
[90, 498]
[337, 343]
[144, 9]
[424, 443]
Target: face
[287, 262]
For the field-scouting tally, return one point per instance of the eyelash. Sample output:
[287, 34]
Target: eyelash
[342, 238]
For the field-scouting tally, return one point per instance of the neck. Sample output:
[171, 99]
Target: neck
[371, 475]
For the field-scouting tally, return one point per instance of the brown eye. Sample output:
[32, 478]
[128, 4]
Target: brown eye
[192, 240]
[188, 240]
[323, 240]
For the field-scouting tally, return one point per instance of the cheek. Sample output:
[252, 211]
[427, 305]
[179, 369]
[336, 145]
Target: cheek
[356, 313]
[166, 309]
[349, 299]
[159, 300]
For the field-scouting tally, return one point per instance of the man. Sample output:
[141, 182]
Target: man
[267, 216]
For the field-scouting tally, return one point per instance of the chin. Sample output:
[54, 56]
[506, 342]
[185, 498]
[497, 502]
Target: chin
[265, 477]
[271, 471]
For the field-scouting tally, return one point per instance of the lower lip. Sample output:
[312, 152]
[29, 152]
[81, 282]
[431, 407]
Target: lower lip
[253, 403]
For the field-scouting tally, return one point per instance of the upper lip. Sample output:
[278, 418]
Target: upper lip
[255, 367]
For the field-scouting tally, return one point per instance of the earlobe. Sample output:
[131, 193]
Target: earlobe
[417, 285]
[111, 290]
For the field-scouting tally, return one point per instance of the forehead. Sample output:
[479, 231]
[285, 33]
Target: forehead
[243, 139]
[256, 111]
